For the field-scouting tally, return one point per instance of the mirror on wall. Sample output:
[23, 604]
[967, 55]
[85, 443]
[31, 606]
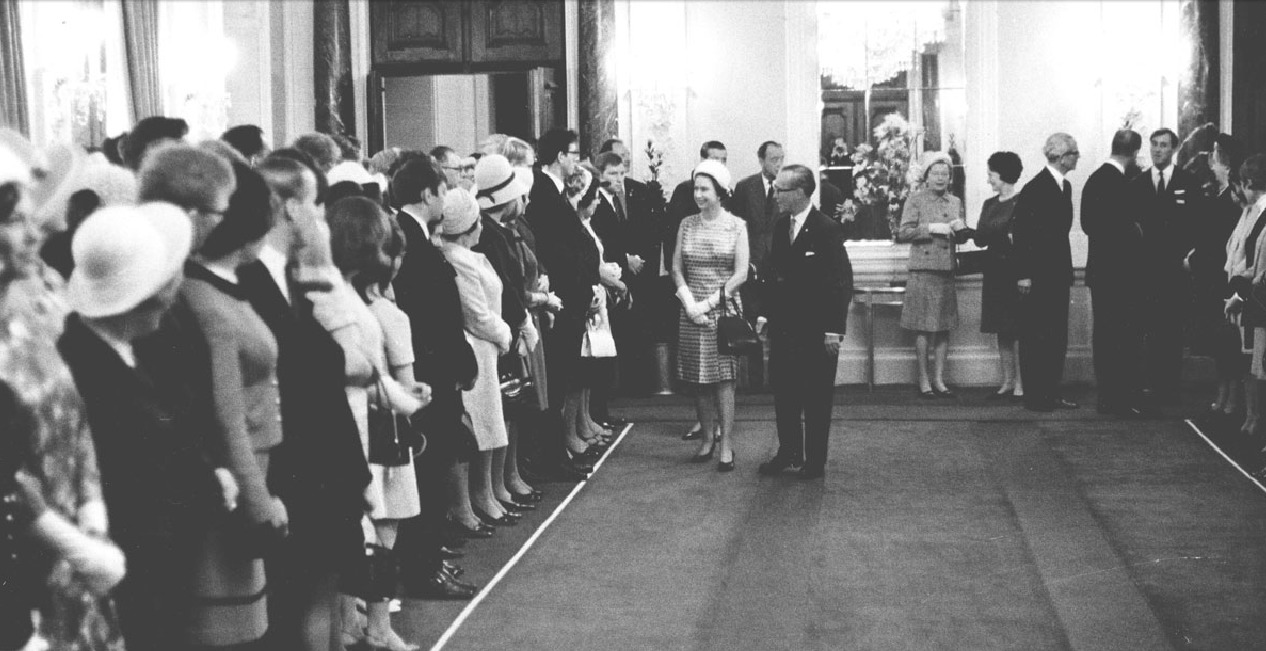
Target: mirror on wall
[893, 87]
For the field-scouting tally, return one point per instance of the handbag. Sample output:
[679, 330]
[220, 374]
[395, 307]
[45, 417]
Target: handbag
[372, 575]
[386, 447]
[735, 336]
[970, 263]
[599, 340]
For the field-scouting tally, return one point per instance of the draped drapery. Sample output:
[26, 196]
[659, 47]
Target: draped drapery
[12, 75]
[140, 37]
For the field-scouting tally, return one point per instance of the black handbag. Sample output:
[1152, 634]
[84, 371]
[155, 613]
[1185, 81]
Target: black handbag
[388, 431]
[735, 336]
[970, 263]
[372, 575]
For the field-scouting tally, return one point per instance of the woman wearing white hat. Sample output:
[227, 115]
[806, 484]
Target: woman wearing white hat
[710, 257]
[490, 336]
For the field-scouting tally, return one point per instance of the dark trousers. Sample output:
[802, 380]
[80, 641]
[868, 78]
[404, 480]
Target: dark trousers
[803, 375]
[1164, 315]
[419, 538]
[1117, 343]
[1043, 341]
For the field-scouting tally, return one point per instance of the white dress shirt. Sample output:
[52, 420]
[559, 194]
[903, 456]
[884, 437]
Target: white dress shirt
[275, 262]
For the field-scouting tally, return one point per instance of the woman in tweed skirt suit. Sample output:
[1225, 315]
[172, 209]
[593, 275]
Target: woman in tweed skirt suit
[931, 218]
[711, 255]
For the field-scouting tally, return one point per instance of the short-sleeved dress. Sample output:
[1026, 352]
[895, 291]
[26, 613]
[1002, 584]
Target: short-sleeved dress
[400, 498]
[393, 493]
[707, 260]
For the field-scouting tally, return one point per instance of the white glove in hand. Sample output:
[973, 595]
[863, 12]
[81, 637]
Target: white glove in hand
[697, 309]
[97, 562]
[542, 283]
[957, 225]
[687, 299]
[529, 335]
[554, 303]
[939, 229]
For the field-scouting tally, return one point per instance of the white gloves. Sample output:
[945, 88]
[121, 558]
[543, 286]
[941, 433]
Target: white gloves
[957, 225]
[542, 284]
[97, 562]
[695, 310]
[939, 229]
[529, 336]
[401, 401]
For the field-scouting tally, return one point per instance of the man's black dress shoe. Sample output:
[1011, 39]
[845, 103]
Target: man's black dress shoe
[450, 554]
[1064, 403]
[442, 586]
[810, 472]
[777, 466]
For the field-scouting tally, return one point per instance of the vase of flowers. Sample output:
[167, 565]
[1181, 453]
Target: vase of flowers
[881, 173]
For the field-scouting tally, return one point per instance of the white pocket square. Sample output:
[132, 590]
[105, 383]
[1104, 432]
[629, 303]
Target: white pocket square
[808, 253]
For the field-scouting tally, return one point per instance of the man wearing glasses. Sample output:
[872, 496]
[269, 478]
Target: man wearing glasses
[1044, 266]
[810, 282]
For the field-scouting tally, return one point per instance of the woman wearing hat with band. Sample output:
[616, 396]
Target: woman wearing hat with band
[489, 335]
[930, 222]
[710, 256]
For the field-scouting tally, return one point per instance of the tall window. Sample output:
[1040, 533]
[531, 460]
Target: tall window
[893, 87]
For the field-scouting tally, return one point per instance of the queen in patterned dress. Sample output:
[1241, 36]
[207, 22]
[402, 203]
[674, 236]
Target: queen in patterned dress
[711, 256]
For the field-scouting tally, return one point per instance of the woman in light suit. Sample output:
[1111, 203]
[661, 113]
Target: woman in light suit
[930, 221]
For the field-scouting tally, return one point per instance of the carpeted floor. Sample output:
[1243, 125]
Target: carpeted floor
[940, 526]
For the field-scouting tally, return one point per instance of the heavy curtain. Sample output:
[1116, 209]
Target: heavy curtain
[12, 75]
[140, 37]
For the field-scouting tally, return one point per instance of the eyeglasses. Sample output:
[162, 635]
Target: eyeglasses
[1073, 153]
[573, 152]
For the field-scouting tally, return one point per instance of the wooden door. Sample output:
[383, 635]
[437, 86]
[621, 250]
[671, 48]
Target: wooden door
[516, 31]
[418, 31]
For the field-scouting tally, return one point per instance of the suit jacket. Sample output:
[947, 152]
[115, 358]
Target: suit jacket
[810, 280]
[1167, 221]
[426, 290]
[613, 232]
[319, 470]
[646, 222]
[565, 248]
[923, 208]
[1043, 218]
[1116, 240]
[157, 479]
[680, 206]
[751, 202]
[1208, 259]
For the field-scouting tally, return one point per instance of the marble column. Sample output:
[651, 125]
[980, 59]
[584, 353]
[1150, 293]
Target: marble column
[12, 76]
[332, 63]
[599, 118]
[1199, 94]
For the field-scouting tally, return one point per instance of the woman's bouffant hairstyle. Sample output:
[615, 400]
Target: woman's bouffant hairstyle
[1007, 164]
[250, 216]
[1253, 172]
[322, 148]
[358, 229]
[1228, 149]
[722, 193]
[378, 271]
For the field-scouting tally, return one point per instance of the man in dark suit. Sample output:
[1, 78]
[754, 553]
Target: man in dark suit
[1164, 198]
[1114, 274]
[653, 312]
[1044, 269]
[811, 281]
[319, 470]
[561, 246]
[753, 200]
[426, 290]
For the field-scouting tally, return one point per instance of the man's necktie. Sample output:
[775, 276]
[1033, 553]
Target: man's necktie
[618, 195]
[770, 208]
[1068, 191]
[1160, 184]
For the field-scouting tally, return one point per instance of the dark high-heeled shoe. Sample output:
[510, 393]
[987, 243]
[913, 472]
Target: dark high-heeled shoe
[515, 506]
[480, 530]
[506, 520]
[530, 497]
[726, 466]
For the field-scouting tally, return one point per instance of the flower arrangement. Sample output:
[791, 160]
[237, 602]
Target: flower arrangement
[881, 176]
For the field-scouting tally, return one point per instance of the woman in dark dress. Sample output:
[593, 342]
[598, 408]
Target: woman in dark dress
[999, 297]
[1218, 337]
